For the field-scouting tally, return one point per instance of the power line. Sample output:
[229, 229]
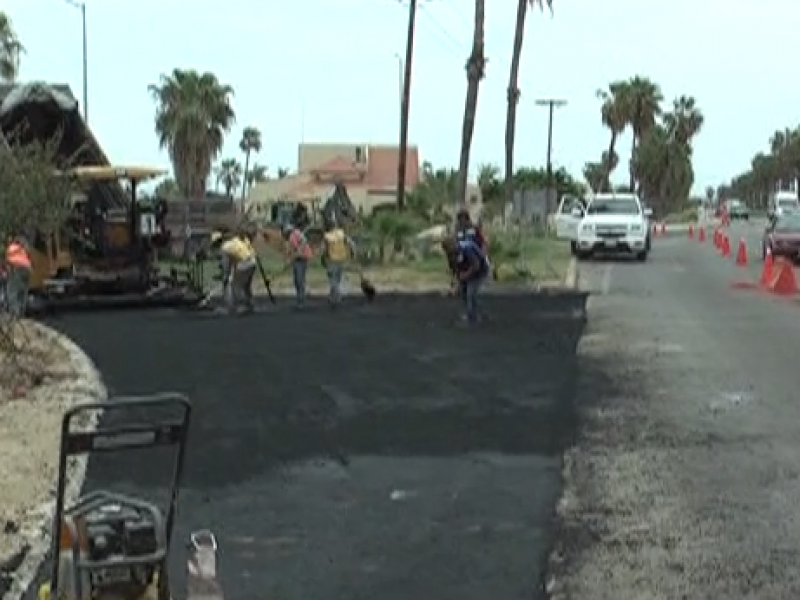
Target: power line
[457, 13]
[451, 39]
[446, 40]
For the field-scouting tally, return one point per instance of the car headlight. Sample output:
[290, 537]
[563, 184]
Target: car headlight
[587, 228]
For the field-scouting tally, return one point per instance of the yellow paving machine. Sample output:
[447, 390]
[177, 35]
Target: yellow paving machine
[106, 253]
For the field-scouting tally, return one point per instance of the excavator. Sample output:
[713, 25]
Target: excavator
[107, 545]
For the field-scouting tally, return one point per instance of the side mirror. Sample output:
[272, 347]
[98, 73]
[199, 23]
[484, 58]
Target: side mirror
[577, 213]
[648, 212]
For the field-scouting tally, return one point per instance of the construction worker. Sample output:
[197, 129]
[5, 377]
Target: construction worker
[471, 270]
[466, 230]
[299, 252]
[337, 248]
[239, 266]
[18, 275]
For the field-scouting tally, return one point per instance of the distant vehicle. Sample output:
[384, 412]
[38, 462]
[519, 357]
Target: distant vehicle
[783, 202]
[782, 236]
[736, 209]
[613, 223]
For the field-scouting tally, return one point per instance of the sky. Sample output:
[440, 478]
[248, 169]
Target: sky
[327, 71]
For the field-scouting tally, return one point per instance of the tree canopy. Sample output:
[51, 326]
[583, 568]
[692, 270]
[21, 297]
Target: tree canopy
[193, 114]
[660, 158]
[775, 169]
[11, 49]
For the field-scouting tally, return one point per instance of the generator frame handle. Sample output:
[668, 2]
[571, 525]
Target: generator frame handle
[120, 438]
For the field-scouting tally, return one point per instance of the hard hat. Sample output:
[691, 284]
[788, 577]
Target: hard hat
[216, 236]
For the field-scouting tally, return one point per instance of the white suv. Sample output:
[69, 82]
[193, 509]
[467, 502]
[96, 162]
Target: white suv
[613, 223]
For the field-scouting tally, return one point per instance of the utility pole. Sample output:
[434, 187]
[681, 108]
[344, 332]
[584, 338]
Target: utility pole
[551, 104]
[405, 104]
[399, 83]
[81, 6]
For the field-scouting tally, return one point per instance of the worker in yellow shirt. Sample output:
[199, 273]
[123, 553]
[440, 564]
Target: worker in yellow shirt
[239, 266]
[337, 249]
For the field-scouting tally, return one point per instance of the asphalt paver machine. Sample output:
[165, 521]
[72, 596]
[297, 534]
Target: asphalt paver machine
[112, 546]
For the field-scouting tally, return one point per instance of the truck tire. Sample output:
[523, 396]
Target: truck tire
[642, 256]
[573, 248]
[582, 256]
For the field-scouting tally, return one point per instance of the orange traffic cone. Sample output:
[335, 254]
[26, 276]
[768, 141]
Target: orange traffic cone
[784, 282]
[767, 270]
[726, 246]
[701, 235]
[741, 254]
[663, 228]
[717, 239]
[655, 229]
[691, 231]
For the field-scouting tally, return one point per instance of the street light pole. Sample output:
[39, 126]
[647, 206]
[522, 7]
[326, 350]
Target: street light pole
[551, 104]
[81, 6]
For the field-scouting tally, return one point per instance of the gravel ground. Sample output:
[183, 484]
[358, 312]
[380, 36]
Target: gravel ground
[30, 426]
[685, 482]
[377, 452]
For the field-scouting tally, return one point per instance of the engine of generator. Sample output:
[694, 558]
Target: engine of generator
[113, 547]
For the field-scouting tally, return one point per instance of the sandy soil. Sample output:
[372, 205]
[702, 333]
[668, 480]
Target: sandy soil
[38, 383]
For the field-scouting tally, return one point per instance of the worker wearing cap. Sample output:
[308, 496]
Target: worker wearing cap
[471, 269]
[337, 249]
[466, 230]
[18, 275]
[239, 267]
[299, 252]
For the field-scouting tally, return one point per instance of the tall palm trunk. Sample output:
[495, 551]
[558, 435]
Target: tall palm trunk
[513, 99]
[612, 144]
[476, 65]
[244, 178]
[631, 173]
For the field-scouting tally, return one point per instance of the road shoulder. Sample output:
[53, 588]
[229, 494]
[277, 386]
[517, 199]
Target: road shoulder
[30, 427]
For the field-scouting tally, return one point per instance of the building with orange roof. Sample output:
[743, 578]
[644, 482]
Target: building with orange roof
[369, 171]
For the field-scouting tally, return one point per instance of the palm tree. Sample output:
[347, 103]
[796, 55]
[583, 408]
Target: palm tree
[782, 145]
[11, 49]
[614, 113]
[229, 174]
[513, 90]
[283, 172]
[250, 142]
[476, 71]
[256, 174]
[685, 120]
[645, 105]
[193, 114]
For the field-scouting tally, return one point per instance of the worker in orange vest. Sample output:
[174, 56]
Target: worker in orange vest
[18, 268]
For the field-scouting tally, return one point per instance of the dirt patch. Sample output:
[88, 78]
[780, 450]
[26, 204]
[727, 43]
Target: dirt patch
[39, 381]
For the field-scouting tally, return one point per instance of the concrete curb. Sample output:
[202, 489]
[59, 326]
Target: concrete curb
[571, 279]
[84, 385]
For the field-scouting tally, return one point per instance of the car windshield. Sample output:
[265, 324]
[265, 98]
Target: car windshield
[790, 224]
[788, 203]
[616, 206]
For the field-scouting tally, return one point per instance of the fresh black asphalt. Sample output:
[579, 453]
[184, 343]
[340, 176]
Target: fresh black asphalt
[378, 452]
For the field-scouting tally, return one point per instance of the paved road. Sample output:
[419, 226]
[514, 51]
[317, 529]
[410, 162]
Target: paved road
[686, 481]
[379, 453]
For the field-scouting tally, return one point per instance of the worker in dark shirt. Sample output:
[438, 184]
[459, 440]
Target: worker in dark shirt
[467, 230]
[471, 269]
